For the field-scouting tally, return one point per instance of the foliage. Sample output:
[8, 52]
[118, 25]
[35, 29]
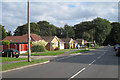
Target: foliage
[86, 36]
[68, 31]
[38, 48]
[114, 36]
[102, 29]
[68, 46]
[21, 30]
[95, 44]
[46, 29]
[50, 52]
[9, 33]
[98, 30]
[57, 48]
[40, 42]
[3, 34]
[6, 42]
[83, 30]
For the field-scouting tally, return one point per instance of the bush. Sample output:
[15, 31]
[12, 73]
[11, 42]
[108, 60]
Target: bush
[57, 48]
[38, 48]
[5, 42]
[95, 44]
[68, 46]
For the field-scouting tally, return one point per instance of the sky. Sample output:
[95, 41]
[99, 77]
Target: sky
[14, 14]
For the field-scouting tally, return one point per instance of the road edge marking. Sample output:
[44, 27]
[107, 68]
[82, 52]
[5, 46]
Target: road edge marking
[26, 66]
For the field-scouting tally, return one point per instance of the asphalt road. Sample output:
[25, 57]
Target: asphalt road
[100, 63]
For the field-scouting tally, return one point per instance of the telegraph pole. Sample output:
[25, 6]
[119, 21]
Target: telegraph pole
[29, 43]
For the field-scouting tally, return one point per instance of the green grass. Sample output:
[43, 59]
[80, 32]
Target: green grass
[6, 59]
[48, 53]
[79, 51]
[21, 64]
[95, 47]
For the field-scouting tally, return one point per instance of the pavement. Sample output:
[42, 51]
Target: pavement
[99, 63]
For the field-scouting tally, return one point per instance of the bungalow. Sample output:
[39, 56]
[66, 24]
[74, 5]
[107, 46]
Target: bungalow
[69, 43]
[81, 41]
[20, 42]
[75, 44]
[53, 42]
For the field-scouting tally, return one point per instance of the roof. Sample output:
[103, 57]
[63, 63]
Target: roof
[66, 39]
[79, 40]
[50, 38]
[75, 41]
[20, 39]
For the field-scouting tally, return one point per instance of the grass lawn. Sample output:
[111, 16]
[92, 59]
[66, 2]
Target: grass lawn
[21, 64]
[49, 52]
[7, 59]
[78, 51]
[95, 47]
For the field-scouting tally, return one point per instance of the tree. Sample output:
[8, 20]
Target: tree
[114, 36]
[46, 29]
[21, 30]
[83, 30]
[9, 33]
[60, 32]
[68, 31]
[4, 34]
[102, 29]
[86, 36]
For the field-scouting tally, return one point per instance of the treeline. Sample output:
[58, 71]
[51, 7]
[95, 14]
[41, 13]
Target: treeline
[99, 30]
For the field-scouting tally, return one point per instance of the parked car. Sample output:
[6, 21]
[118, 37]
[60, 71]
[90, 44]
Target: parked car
[116, 47]
[10, 53]
[118, 52]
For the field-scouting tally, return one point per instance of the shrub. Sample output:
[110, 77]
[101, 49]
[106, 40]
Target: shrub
[38, 48]
[57, 48]
[95, 44]
[68, 46]
[40, 42]
[5, 42]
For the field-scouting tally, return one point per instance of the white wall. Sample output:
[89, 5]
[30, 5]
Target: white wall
[61, 46]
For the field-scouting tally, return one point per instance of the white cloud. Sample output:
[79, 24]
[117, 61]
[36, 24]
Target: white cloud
[58, 13]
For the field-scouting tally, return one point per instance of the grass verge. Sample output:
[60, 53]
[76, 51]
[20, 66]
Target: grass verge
[7, 59]
[48, 53]
[21, 64]
[78, 51]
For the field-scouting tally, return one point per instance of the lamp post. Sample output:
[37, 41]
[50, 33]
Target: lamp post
[29, 48]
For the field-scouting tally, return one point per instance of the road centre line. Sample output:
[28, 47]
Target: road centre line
[76, 73]
[92, 62]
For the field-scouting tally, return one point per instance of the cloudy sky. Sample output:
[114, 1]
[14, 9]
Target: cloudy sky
[58, 13]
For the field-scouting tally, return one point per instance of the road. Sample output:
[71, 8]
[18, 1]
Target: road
[99, 63]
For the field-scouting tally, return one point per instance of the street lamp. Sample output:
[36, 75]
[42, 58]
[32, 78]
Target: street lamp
[29, 48]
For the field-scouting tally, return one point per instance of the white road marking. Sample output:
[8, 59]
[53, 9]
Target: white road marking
[76, 73]
[92, 62]
[99, 57]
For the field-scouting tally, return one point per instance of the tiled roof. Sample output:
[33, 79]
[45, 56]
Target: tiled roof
[79, 40]
[50, 38]
[24, 38]
[66, 39]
